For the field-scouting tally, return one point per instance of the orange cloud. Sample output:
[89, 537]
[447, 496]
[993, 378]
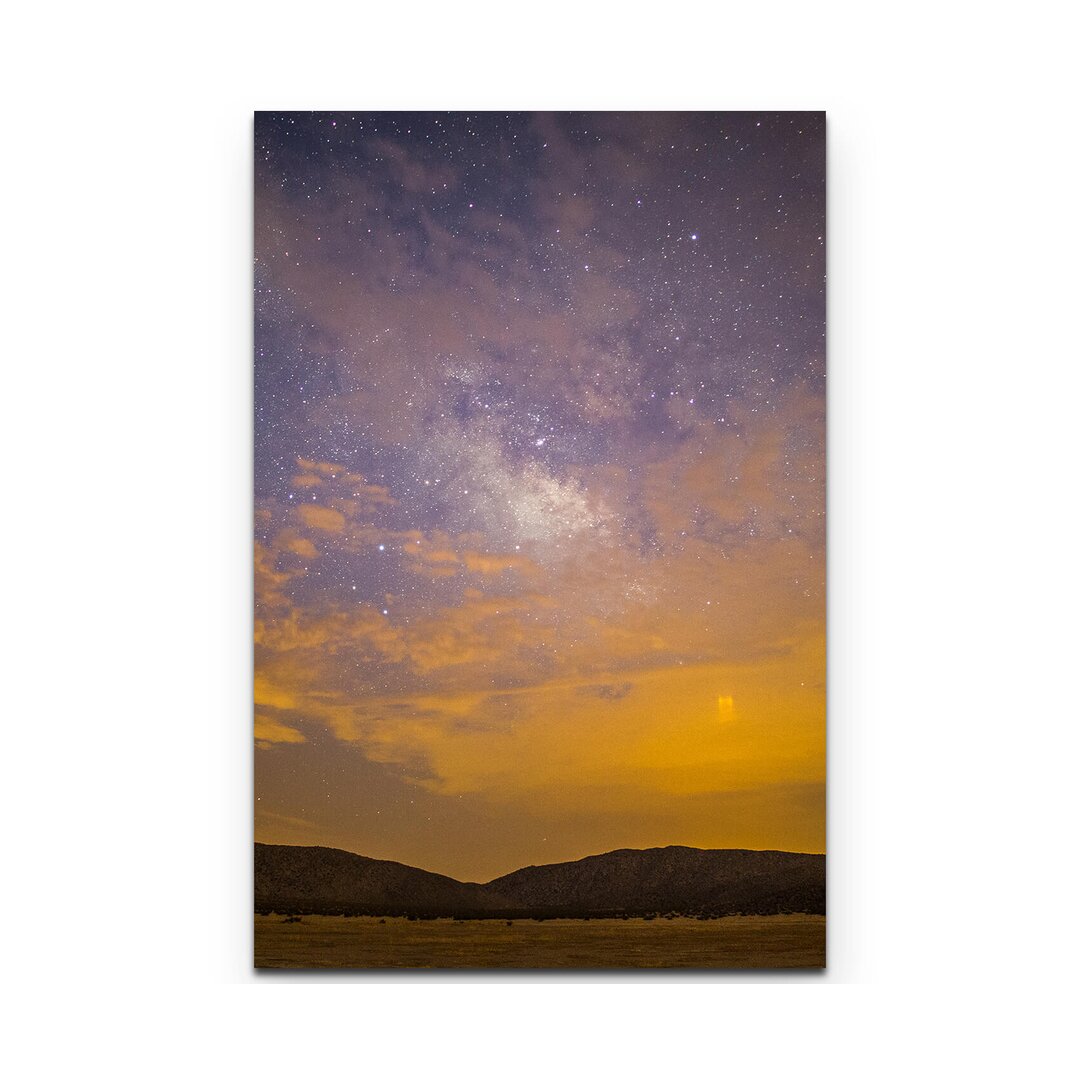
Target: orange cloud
[268, 731]
[268, 693]
[432, 562]
[566, 742]
[369, 494]
[288, 540]
[321, 517]
[353, 495]
[494, 564]
[325, 467]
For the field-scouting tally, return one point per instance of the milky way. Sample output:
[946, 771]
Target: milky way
[539, 478]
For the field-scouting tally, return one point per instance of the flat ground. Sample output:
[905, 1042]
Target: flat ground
[334, 941]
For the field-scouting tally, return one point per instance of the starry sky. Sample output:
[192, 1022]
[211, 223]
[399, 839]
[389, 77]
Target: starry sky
[539, 484]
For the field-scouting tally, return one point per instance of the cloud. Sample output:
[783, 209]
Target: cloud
[268, 693]
[607, 691]
[551, 741]
[493, 565]
[413, 172]
[321, 517]
[288, 540]
[325, 468]
[269, 731]
[432, 559]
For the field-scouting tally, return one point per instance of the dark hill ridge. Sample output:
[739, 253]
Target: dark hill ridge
[629, 881]
[320, 878]
[674, 879]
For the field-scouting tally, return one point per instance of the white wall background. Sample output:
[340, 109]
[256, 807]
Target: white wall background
[953, 593]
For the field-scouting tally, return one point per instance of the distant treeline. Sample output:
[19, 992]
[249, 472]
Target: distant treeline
[286, 907]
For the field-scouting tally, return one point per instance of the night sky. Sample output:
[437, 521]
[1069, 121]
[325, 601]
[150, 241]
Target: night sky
[539, 484]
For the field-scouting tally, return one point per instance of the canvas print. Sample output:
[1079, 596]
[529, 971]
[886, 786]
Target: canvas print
[539, 540]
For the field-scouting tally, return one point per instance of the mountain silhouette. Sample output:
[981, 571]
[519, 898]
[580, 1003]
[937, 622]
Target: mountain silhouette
[321, 878]
[683, 880]
[679, 879]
